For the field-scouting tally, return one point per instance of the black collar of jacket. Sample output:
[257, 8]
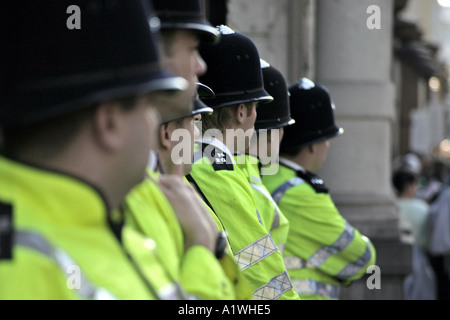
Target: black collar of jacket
[220, 159]
[314, 181]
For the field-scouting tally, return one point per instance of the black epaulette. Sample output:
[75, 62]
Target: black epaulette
[220, 160]
[6, 232]
[314, 181]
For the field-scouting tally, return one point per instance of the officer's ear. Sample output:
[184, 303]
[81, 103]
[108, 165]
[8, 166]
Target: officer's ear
[164, 136]
[108, 125]
[241, 113]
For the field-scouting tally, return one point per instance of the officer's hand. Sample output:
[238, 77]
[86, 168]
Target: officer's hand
[197, 224]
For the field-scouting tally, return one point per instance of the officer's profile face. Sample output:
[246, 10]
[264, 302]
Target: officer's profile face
[194, 133]
[180, 148]
[320, 154]
[274, 141]
[249, 121]
[181, 56]
[244, 132]
[268, 146]
[197, 118]
[139, 136]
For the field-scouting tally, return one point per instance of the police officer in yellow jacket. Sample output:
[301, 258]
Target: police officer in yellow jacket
[271, 119]
[183, 27]
[323, 251]
[202, 274]
[77, 127]
[187, 237]
[234, 73]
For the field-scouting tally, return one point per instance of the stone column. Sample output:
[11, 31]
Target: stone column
[266, 23]
[355, 63]
[329, 41]
[283, 31]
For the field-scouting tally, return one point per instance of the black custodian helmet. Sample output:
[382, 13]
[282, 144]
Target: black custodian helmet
[187, 15]
[199, 107]
[49, 69]
[275, 114]
[313, 111]
[234, 70]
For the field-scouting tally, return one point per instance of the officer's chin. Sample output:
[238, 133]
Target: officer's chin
[187, 168]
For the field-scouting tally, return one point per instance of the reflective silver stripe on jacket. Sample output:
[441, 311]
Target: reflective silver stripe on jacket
[305, 286]
[276, 214]
[38, 243]
[353, 268]
[324, 253]
[295, 263]
[256, 179]
[274, 288]
[255, 252]
[279, 193]
[319, 258]
[84, 288]
[281, 248]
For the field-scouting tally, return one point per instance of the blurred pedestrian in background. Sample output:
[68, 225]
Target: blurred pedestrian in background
[415, 231]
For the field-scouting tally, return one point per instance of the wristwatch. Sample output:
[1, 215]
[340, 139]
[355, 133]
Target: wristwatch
[221, 245]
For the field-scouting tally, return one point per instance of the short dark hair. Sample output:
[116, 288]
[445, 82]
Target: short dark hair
[402, 178]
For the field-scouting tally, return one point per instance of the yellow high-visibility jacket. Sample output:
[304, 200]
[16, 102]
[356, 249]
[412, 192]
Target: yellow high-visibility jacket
[59, 241]
[323, 251]
[197, 270]
[272, 217]
[231, 268]
[227, 191]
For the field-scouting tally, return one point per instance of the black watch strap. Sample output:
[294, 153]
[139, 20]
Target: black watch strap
[221, 245]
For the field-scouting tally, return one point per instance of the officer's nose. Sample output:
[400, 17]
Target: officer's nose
[201, 66]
